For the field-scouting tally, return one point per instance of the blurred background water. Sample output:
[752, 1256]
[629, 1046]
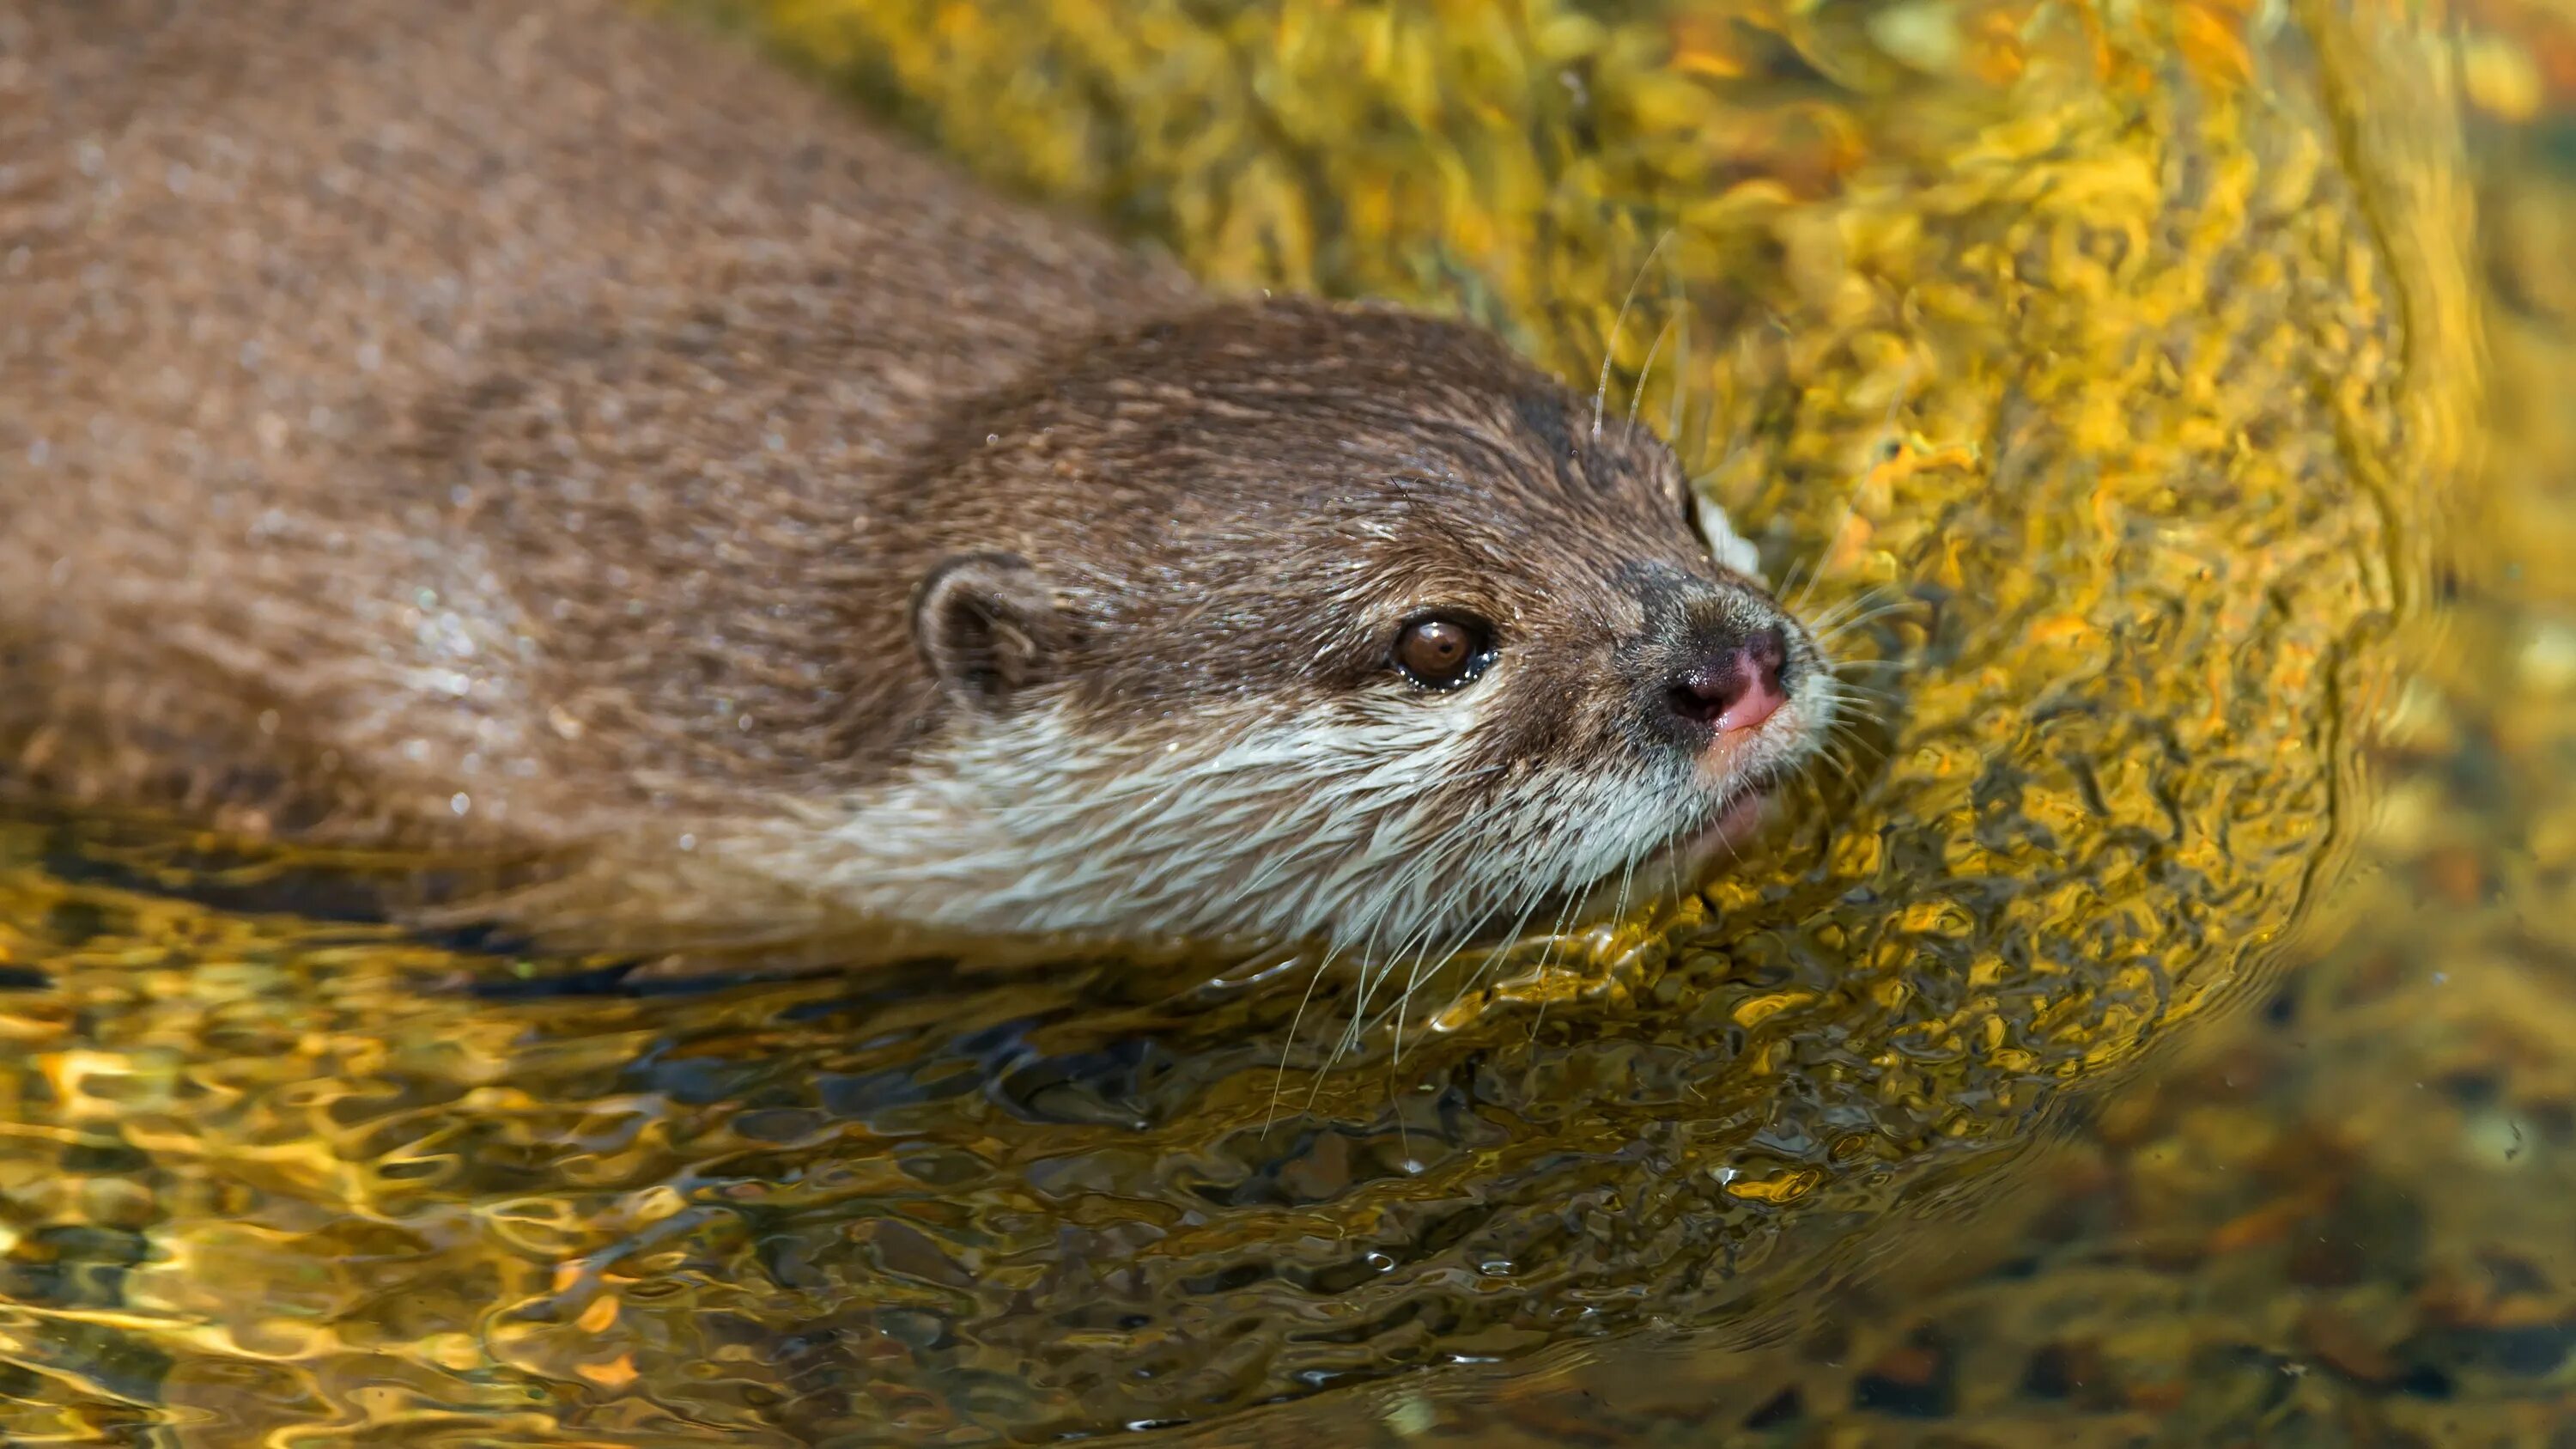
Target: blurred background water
[2166, 1032]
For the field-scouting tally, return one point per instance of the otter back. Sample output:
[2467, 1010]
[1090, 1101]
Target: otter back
[543, 362]
[533, 430]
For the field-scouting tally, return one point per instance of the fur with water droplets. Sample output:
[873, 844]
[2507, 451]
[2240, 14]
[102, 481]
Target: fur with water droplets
[538, 430]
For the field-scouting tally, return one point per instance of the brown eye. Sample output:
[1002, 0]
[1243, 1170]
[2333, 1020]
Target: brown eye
[1443, 651]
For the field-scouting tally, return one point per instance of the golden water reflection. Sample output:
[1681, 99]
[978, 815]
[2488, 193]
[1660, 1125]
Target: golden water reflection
[2140, 352]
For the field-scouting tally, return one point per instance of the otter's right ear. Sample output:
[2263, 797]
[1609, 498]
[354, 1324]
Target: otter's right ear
[987, 626]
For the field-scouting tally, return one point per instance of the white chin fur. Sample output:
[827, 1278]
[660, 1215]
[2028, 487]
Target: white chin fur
[1335, 824]
[1725, 545]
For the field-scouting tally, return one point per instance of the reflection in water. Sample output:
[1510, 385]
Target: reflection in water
[2133, 354]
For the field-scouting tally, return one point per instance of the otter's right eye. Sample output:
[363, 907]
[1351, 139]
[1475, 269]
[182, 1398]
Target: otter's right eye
[1444, 651]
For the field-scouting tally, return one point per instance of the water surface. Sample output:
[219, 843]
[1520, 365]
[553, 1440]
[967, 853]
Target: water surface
[2157, 1029]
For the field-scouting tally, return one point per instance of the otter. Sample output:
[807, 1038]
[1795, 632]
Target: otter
[541, 431]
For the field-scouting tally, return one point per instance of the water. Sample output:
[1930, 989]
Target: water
[2156, 1030]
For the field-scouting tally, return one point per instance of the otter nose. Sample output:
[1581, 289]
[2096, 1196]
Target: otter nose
[1736, 687]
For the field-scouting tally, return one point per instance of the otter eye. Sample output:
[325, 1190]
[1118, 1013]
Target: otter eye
[1443, 651]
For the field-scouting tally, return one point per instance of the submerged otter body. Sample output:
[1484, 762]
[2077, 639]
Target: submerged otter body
[536, 429]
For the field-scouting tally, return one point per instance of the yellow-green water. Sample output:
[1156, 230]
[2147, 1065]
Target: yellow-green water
[2166, 1032]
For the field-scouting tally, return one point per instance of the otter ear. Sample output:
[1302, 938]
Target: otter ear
[987, 625]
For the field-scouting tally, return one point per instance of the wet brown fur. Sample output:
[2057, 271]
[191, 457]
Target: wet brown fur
[517, 425]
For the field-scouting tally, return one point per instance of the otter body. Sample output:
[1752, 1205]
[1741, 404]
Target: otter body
[538, 429]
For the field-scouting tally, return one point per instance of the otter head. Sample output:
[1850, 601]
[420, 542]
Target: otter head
[1324, 622]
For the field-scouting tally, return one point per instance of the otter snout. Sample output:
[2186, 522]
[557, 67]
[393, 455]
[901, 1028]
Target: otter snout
[1714, 660]
[1737, 685]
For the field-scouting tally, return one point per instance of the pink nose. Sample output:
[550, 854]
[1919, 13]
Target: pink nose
[1737, 689]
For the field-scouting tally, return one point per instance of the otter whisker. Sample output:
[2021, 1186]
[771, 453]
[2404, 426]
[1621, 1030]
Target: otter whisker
[1610, 351]
[1838, 668]
[1859, 697]
[1842, 627]
[1676, 398]
[1547, 957]
[1841, 611]
[1413, 978]
[1557, 933]
[1426, 964]
[1460, 841]
[1871, 702]
[1405, 952]
[1842, 729]
[1418, 969]
[1646, 370]
[1827, 746]
[1850, 711]
[1422, 974]
[1428, 968]
[1531, 901]
[1839, 740]
[1841, 767]
[1373, 971]
[1288, 1044]
[1793, 593]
